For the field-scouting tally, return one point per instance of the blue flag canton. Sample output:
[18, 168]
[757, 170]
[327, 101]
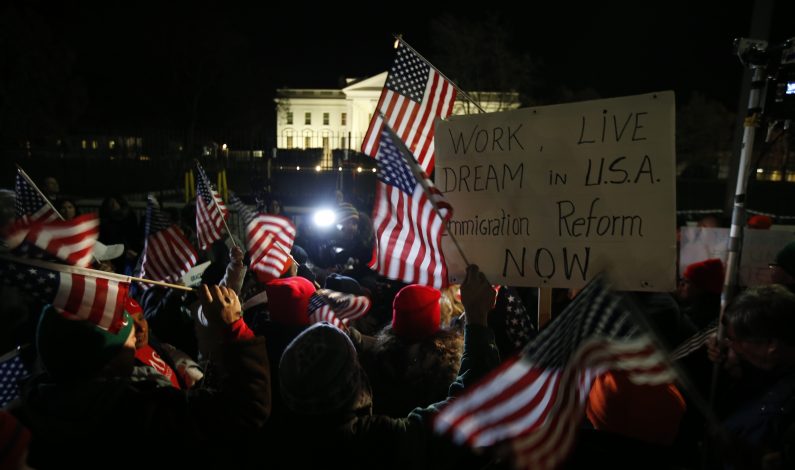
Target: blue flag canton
[243, 210]
[11, 370]
[39, 282]
[156, 220]
[315, 302]
[28, 200]
[204, 187]
[595, 312]
[392, 167]
[409, 74]
[519, 326]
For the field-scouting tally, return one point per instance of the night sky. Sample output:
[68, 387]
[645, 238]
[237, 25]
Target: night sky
[146, 64]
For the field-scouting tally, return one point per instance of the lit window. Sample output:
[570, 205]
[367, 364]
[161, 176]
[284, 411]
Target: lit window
[289, 117]
[83, 144]
[325, 142]
[289, 141]
[307, 142]
[342, 142]
[94, 144]
[307, 118]
[325, 119]
[344, 119]
[112, 144]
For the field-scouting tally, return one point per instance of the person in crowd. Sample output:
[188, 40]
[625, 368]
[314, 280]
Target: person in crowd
[15, 443]
[759, 352]
[51, 189]
[161, 359]
[413, 360]
[274, 207]
[328, 394]
[699, 291]
[118, 224]
[86, 408]
[67, 208]
[760, 222]
[782, 269]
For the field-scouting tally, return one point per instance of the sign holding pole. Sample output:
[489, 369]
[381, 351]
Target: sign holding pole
[548, 196]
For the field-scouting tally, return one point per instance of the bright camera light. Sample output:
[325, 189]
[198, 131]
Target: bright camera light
[324, 218]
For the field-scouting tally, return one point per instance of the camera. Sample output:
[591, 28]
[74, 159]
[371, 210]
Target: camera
[779, 63]
[780, 102]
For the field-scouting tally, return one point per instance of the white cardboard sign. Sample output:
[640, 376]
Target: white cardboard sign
[549, 196]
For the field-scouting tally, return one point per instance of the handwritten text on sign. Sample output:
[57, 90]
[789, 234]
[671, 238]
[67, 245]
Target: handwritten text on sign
[548, 196]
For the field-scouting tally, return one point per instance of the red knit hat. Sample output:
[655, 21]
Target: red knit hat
[416, 312]
[762, 222]
[288, 300]
[15, 439]
[650, 413]
[706, 275]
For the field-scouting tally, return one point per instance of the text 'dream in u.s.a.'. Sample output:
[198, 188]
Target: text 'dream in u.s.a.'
[549, 196]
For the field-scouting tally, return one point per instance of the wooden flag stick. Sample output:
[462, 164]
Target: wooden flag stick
[161, 283]
[90, 272]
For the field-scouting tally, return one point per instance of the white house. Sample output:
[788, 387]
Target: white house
[338, 119]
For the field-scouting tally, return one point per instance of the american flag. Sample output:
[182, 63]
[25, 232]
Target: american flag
[168, 254]
[11, 370]
[246, 213]
[336, 308]
[30, 205]
[269, 239]
[520, 327]
[84, 293]
[407, 227]
[534, 403]
[210, 211]
[68, 240]
[414, 95]
[695, 342]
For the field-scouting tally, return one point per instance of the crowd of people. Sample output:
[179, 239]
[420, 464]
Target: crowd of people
[236, 374]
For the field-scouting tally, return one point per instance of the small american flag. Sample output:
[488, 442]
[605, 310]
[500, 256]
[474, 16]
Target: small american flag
[414, 95]
[520, 327]
[534, 403]
[30, 205]
[11, 370]
[211, 212]
[695, 342]
[68, 240]
[408, 228]
[168, 254]
[84, 293]
[246, 213]
[269, 239]
[336, 307]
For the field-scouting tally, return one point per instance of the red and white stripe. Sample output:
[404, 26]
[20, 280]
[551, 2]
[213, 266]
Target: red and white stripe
[168, 255]
[98, 300]
[70, 240]
[270, 239]
[411, 121]
[346, 307]
[210, 218]
[409, 234]
[539, 410]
